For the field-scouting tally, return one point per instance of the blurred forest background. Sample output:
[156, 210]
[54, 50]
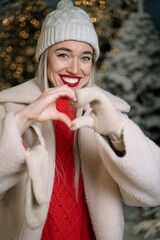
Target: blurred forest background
[129, 38]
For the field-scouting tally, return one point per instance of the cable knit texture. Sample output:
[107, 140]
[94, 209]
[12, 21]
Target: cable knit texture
[68, 218]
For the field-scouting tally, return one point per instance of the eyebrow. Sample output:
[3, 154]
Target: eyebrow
[69, 50]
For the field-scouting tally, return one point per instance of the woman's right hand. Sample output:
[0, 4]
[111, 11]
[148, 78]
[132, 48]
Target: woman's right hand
[44, 108]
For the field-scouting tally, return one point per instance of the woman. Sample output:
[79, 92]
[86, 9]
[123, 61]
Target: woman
[112, 158]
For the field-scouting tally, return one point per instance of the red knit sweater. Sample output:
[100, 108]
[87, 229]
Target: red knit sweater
[68, 218]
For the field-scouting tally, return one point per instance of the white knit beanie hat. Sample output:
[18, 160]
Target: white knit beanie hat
[67, 23]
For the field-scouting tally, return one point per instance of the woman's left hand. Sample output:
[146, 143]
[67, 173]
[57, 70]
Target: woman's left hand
[104, 117]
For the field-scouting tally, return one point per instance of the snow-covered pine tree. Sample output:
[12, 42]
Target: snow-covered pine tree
[131, 70]
[20, 24]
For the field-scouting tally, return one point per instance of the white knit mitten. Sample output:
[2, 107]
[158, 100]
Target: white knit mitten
[104, 117]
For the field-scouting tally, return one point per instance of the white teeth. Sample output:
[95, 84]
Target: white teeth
[70, 80]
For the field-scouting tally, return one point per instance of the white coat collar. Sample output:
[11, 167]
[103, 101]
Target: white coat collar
[23, 93]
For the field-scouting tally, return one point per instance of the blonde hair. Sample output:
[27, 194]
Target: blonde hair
[44, 84]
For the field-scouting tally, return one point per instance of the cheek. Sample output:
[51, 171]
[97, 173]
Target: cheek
[53, 71]
[87, 71]
[87, 74]
[51, 68]
[55, 66]
[51, 74]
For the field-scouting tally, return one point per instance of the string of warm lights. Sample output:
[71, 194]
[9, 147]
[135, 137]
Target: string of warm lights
[19, 32]
[95, 11]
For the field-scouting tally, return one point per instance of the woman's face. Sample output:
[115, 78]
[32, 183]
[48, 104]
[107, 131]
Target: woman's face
[70, 63]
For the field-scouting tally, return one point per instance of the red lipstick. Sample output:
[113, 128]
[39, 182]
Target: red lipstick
[68, 81]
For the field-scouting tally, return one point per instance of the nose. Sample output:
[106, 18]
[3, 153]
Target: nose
[73, 67]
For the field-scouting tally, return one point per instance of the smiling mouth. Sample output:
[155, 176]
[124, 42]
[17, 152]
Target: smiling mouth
[71, 81]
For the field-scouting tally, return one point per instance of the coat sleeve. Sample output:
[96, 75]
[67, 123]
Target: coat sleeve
[15, 161]
[138, 172]
[12, 153]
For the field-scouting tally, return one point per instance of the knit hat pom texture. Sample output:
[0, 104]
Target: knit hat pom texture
[65, 4]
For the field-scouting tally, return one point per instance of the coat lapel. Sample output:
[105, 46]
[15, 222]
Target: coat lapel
[23, 93]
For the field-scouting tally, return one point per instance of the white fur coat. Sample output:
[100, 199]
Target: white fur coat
[27, 176]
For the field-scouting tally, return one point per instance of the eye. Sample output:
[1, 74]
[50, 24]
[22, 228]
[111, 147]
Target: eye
[62, 55]
[86, 58]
